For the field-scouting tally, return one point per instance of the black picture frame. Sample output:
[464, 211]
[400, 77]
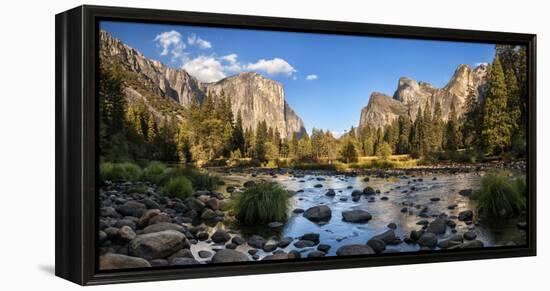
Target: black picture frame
[77, 151]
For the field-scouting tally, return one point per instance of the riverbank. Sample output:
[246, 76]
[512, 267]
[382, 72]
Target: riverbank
[331, 215]
[437, 168]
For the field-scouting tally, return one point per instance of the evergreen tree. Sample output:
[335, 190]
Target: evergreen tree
[348, 152]
[471, 120]
[112, 104]
[437, 127]
[261, 139]
[497, 126]
[238, 134]
[417, 135]
[452, 136]
[404, 125]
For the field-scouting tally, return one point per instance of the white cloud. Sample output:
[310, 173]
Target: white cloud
[201, 43]
[204, 68]
[311, 77]
[232, 65]
[272, 67]
[480, 64]
[170, 42]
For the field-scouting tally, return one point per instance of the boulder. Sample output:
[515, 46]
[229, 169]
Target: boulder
[276, 256]
[220, 236]
[256, 241]
[318, 213]
[388, 237]
[205, 254]
[195, 204]
[354, 249]
[356, 193]
[466, 215]
[330, 193]
[157, 245]
[314, 237]
[377, 245]
[163, 226]
[428, 239]
[304, 244]
[146, 216]
[323, 248]
[269, 247]
[126, 233]
[356, 215]
[238, 240]
[283, 243]
[316, 254]
[184, 262]
[369, 190]
[117, 261]
[470, 235]
[213, 203]
[208, 214]
[229, 256]
[183, 253]
[472, 244]
[437, 226]
[131, 208]
[451, 241]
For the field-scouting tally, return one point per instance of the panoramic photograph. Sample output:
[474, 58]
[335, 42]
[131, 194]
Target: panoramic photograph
[224, 145]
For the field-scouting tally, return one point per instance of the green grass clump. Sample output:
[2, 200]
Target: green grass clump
[501, 195]
[154, 172]
[179, 187]
[201, 180]
[262, 203]
[119, 171]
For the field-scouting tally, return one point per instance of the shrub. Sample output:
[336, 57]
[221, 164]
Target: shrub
[154, 172]
[119, 171]
[200, 180]
[500, 195]
[179, 187]
[262, 203]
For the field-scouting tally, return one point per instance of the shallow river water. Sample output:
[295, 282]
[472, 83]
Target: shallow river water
[386, 208]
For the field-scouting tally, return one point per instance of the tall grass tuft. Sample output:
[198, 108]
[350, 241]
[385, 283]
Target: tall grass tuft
[262, 203]
[154, 172]
[119, 171]
[501, 195]
[179, 187]
[200, 180]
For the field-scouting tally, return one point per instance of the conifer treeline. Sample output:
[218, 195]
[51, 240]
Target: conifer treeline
[209, 130]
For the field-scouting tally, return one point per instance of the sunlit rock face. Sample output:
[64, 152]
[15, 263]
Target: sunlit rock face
[256, 97]
[410, 95]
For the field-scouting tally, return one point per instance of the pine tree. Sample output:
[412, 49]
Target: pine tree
[452, 141]
[471, 120]
[417, 135]
[348, 152]
[437, 127]
[497, 125]
[238, 134]
[112, 104]
[404, 124]
[427, 130]
[261, 139]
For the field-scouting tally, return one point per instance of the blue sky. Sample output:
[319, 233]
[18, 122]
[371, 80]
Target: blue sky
[327, 78]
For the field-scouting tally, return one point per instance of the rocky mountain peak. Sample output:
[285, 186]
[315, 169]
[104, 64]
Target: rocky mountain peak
[256, 97]
[413, 95]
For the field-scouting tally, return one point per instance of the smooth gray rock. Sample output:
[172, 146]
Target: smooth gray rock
[355, 249]
[356, 215]
[229, 256]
